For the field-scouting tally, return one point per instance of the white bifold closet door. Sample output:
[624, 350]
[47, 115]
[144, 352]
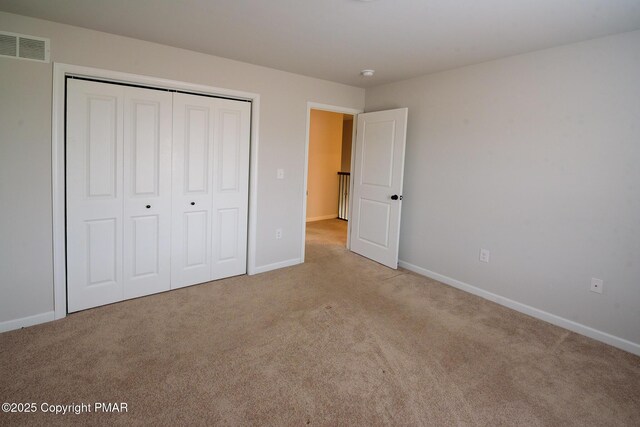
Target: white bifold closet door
[118, 193]
[147, 192]
[157, 191]
[94, 194]
[210, 188]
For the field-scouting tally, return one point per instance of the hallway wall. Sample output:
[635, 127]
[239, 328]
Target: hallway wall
[325, 153]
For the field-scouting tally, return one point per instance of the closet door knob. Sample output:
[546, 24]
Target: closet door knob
[193, 203]
[148, 206]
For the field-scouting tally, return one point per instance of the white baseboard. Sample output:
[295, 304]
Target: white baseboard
[10, 325]
[579, 328]
[323, 217]
[276, 265]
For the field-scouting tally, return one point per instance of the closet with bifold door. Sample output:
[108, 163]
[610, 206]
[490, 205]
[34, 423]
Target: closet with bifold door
[156, 190]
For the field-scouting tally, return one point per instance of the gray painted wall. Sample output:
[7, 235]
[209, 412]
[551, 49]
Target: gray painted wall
[535, 157]
[26, 277]
[26, 265]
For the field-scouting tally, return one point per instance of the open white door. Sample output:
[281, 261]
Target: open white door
[377, 185]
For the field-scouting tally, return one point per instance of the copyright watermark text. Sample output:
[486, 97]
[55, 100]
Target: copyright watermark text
[67, 408]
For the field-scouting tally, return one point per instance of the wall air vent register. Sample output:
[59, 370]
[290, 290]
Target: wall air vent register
[21, 46]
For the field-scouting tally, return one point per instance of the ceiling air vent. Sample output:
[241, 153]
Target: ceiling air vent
[24, 47]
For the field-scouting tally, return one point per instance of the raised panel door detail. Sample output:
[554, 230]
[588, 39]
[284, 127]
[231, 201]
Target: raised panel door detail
[102, 242]
[101, 146]
[94, 194]
[147, 202]
[195, 235]
[231, 181]
[229, 151]
[126, 204]
[374, 222]
[146, 147]
[377, 153]
[228, 234]
[377, 185]
[196, 150]
[146, 245]
[194, 123]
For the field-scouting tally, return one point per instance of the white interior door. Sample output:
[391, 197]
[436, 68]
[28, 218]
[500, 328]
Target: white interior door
[94, 193]
[193, 134]
[377, 185]
[157, 191]
[231, 188]
[147, 191]
[210, 188]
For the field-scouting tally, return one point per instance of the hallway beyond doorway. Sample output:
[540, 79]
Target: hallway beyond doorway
[325, 237]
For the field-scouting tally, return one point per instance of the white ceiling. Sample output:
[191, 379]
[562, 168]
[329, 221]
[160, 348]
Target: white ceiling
[335, 39]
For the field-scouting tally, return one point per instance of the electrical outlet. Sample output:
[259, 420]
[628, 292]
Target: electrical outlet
[278, 233]
[485, 255]
[596, 285]
[280, 173]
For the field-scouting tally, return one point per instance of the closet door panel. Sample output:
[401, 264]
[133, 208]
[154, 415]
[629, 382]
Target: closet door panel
[231, 184]
[94, 195]
[196, 229]
[147, 183]
[197, 144]
[145, 250]
[157, 191]
[193, 139]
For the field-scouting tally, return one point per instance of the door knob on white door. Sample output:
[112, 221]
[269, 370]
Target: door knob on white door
[396, 197]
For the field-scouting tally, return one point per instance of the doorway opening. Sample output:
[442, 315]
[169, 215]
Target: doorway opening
[329, 176]
[375, 192]
[341, 231]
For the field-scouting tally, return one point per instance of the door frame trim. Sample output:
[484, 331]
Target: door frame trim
[60, 73]
[334, 109]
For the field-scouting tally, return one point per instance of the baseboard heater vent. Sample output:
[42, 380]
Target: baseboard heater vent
[21, 46]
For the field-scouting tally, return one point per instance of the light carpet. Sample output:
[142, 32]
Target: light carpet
[338, 340]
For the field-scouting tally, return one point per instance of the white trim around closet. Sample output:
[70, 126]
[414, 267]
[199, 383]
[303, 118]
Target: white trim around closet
[60, 73]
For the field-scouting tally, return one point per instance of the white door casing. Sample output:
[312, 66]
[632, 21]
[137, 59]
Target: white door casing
[378, 173]
[94, 194]
[147, 191]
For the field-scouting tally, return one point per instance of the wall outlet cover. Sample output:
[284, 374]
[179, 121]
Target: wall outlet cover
[597, 285]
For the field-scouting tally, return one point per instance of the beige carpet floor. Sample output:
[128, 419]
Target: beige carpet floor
[339, 340]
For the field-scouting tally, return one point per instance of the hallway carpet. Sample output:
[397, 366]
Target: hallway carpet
[338, 340]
